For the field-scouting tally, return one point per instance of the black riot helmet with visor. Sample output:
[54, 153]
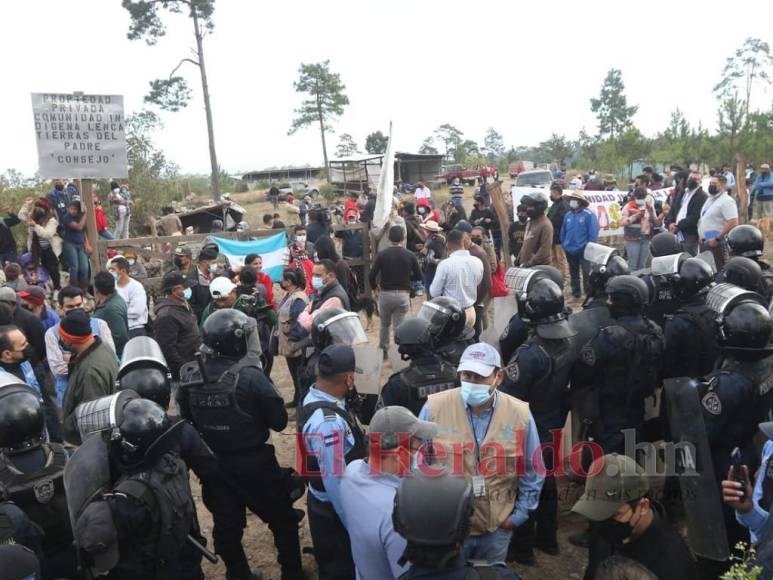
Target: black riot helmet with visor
[743, 272]
[413, 338]
[744, 321]
[695, 277]
[664, 244]
[144, 370]
[627, 295]
[446, 318]
[337, 326]
[604, 263]
[230, 333]
[747, 241]
[22, 416]
[139, 433]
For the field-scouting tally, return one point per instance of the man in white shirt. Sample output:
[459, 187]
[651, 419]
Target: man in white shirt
[459, 275]
[422, 191]
[729, 177]
[719, 215]
[133, 293]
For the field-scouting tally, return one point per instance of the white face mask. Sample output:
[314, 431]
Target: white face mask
[574, 204]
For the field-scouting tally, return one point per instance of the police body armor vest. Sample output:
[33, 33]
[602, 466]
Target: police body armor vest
[663, 301]
[329, 409]
[704, 318]
[423, 380]
[40, 494]
[216, 413]
[164, 489]
[548, 395]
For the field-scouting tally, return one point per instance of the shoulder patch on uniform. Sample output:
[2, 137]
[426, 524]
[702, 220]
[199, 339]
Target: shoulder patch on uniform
[588, 355]
[766, 385]
[513, 372]
[505, 333]
[711, 403]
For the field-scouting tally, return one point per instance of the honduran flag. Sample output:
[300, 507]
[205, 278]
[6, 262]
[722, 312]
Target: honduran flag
[273, 250]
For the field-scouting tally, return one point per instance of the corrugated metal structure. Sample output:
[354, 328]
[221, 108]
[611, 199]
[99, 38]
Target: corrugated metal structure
[284, 174]
[353, 173]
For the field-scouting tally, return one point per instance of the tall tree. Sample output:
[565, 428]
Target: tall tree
[346, 146]
[557, 148]
[731, 117]
[172, 93]
[493, 144]
[428, 147]
[326, 99]
[467, 152]
[376, 142]
[750, 63]
[611, 108]
[450, 136]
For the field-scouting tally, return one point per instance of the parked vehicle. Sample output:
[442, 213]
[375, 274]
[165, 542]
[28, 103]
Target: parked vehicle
[468, 176]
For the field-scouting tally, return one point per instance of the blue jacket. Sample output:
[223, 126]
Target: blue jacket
[763, 187]
[579, 228]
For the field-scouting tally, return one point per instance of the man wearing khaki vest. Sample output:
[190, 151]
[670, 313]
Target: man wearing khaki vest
[491, 439]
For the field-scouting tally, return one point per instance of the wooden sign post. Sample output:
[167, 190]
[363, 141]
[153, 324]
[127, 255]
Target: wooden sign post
[91, 224]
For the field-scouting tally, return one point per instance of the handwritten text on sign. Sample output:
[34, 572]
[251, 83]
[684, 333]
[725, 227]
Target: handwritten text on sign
[80, 136]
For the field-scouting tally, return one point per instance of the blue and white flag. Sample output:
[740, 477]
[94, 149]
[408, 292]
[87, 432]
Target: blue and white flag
[273, 250]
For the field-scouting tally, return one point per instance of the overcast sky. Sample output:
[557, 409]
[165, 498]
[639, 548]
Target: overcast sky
[526, 68]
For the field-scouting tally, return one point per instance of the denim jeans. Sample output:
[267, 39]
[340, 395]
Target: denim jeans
[77, 263]
[576, 262]
[491, 547]
[638, 253]
[107, 235]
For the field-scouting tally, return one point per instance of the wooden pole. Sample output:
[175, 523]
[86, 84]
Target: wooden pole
[498, 203]
[366, 254]
[91, 224]
[740, 182]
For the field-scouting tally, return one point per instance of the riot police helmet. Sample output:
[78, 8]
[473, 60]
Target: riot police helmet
[142, 423]
[743, 272]
[22, 417]
[551, 272]
[433, 513]
[664, 244]
[446, 318]
[746, 240]
[747, 326]
[413, 337]
[144, 370]
[544, 300]
[337, 326]
[229, 333]
[628, 290]
[695, 277]
[604, 263]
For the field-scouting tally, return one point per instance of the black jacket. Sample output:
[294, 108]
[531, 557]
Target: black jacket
[689, 225]
[7, 241]
[556, 213]
[177, 333]
[33, 329]
[335, 290]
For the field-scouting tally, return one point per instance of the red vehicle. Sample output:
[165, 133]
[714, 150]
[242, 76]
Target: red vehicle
[468, 176]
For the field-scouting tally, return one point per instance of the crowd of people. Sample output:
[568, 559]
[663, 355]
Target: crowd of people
[458, 472]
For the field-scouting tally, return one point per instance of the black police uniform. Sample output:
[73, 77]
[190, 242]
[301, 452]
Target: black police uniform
[411, 386]
[538, 373]
[52, 420]
[513, 336]
[153, 513]
[234, 414]
[663, 302]
[691, 340]
[617, 370]
[17, 528]
[590, 319]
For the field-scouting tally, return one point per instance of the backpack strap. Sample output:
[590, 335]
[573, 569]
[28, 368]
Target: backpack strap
[231, 375]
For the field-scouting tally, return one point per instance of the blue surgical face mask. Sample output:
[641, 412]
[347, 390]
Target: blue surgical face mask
[474, 394]
[317, 282]
[115, 275]
[187, 294]
[640, 202]
[574, 204]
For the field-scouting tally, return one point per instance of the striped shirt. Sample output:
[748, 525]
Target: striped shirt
[458, 276]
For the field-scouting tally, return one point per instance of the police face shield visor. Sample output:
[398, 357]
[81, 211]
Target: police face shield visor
[251, 337]
[667, 266]
[518, 280]
[436, 315]
[722, 297]
[345, 328]
[597, 254]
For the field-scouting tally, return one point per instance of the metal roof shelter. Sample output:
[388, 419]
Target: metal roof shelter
[359, 170]
[284, 174]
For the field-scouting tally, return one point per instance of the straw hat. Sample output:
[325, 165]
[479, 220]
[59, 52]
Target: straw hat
[579, 195]
[432, 226]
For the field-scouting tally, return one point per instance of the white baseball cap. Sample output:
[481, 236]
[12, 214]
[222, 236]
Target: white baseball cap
[480, 358]
[221, 287]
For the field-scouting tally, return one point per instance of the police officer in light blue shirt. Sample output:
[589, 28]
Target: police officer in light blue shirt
[396, 438]
[331, 438]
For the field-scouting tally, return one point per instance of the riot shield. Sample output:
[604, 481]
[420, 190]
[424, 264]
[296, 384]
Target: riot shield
[587, 323]
[504, 308]
[721, 297]
[368, 361]
[518, 280]
[667, 265]
[86, 475]
[141, 351]
[395, 360]
[708, 257]
[691, 459]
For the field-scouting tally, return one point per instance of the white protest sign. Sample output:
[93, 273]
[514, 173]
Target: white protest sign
[80, 136]
[606, 205]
